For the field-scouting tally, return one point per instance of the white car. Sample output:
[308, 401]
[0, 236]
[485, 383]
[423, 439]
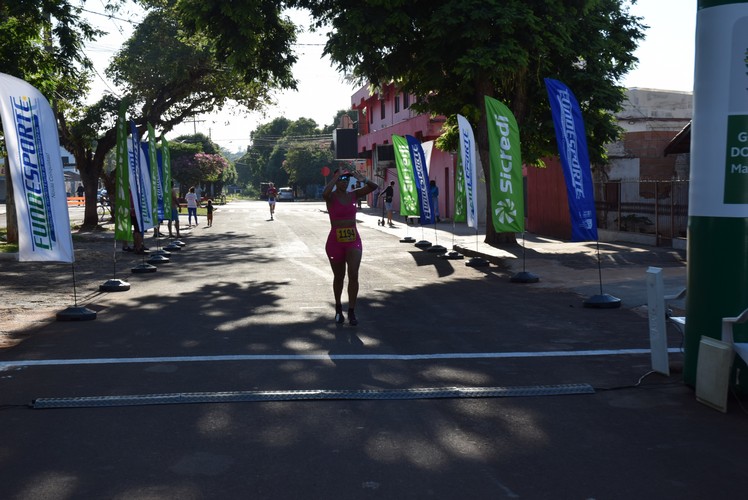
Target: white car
[285, 194]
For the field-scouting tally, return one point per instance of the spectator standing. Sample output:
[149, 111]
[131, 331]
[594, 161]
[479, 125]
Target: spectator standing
[434, 192]
[191, 199]
[209, 208]
[387, 194]
[175, 209]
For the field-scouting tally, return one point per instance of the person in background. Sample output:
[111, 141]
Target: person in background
[209, 208]
[191, 199]
[343, 245]
[272, 195]
[81, 191]
[434, 192]
[387, 194]
[175, 209]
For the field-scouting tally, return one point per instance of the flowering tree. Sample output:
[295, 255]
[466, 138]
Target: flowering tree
[199, 168]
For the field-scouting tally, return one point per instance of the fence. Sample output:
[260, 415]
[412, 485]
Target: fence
[658, 208]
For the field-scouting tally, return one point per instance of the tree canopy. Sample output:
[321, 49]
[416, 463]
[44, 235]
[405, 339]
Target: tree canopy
[41, 41]
[170, 70]
[285, 152]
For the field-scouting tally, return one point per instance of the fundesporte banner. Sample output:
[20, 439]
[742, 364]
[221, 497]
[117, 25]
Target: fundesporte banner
[420, 174]
[35, 165]
[140, 181]
[157, 194]
[470, 171]
[572, 148]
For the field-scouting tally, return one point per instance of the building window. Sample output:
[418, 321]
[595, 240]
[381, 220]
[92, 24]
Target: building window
[381, 109]
[371, 116]
[406, 100]
[397, 103]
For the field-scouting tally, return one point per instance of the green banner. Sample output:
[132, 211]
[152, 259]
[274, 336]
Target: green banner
[166, 167]
[122, 223]
[408, 192]
[460, 194]
[507, 200]
[155, 178]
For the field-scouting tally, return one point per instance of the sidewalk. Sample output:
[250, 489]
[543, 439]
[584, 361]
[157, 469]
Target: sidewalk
[559, 264]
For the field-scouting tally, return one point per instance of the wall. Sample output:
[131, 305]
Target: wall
[375, 131]
[547, 205]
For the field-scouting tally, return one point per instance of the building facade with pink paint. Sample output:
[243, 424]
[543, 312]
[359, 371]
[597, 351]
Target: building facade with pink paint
[387, 112]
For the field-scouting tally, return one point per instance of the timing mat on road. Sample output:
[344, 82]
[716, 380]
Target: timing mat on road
[306, 395]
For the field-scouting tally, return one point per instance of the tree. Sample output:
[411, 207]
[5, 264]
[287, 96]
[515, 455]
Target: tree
[172, 69]
[455, 52]
[304, 162]
[199, 168]
[41, 42]
[259, 165]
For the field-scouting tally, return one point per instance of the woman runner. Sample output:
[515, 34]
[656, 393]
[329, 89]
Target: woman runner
[344, 243]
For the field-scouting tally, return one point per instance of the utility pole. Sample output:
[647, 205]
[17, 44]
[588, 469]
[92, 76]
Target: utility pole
[194, 124]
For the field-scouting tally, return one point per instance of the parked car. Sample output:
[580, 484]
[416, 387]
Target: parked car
[285, 194]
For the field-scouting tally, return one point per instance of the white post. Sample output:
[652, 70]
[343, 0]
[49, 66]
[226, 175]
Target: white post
[657, 327]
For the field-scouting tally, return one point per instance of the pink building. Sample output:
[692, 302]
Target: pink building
[389, 112]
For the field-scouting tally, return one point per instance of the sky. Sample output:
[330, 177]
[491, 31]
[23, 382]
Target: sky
[666, 60]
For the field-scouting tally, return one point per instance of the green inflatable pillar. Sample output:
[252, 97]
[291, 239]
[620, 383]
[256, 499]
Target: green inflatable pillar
[718, 198]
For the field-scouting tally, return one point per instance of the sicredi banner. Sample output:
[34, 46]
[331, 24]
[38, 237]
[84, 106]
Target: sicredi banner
[408, 193]
[36, 169]
[507, 199]
[720, 114]
[122, 222]
[166, 178]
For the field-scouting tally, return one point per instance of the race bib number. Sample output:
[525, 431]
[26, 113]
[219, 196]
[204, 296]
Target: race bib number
[345, 234]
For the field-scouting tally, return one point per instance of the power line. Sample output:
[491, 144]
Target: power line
[111, 17]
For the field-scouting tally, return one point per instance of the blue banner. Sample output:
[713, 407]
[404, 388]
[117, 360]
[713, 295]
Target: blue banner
[136, 186]
[418, 159]
[140, 180]
[572, 148]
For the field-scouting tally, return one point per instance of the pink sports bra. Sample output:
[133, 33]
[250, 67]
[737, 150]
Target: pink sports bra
[341, 211]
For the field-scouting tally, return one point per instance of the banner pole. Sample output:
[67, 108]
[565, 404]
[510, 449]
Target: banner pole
[74, 312]
[524, 276]
[114, 284]
[75, 293]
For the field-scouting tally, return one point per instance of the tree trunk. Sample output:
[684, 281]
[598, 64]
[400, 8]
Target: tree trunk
[90, 164]
[90, 176]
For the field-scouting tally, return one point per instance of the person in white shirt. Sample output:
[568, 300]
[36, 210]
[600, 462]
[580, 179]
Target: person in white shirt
[191, 199]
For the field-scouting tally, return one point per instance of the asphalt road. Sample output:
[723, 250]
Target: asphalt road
[245, 311]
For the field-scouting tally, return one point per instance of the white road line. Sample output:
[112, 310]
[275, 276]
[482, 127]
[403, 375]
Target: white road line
[5, 365]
